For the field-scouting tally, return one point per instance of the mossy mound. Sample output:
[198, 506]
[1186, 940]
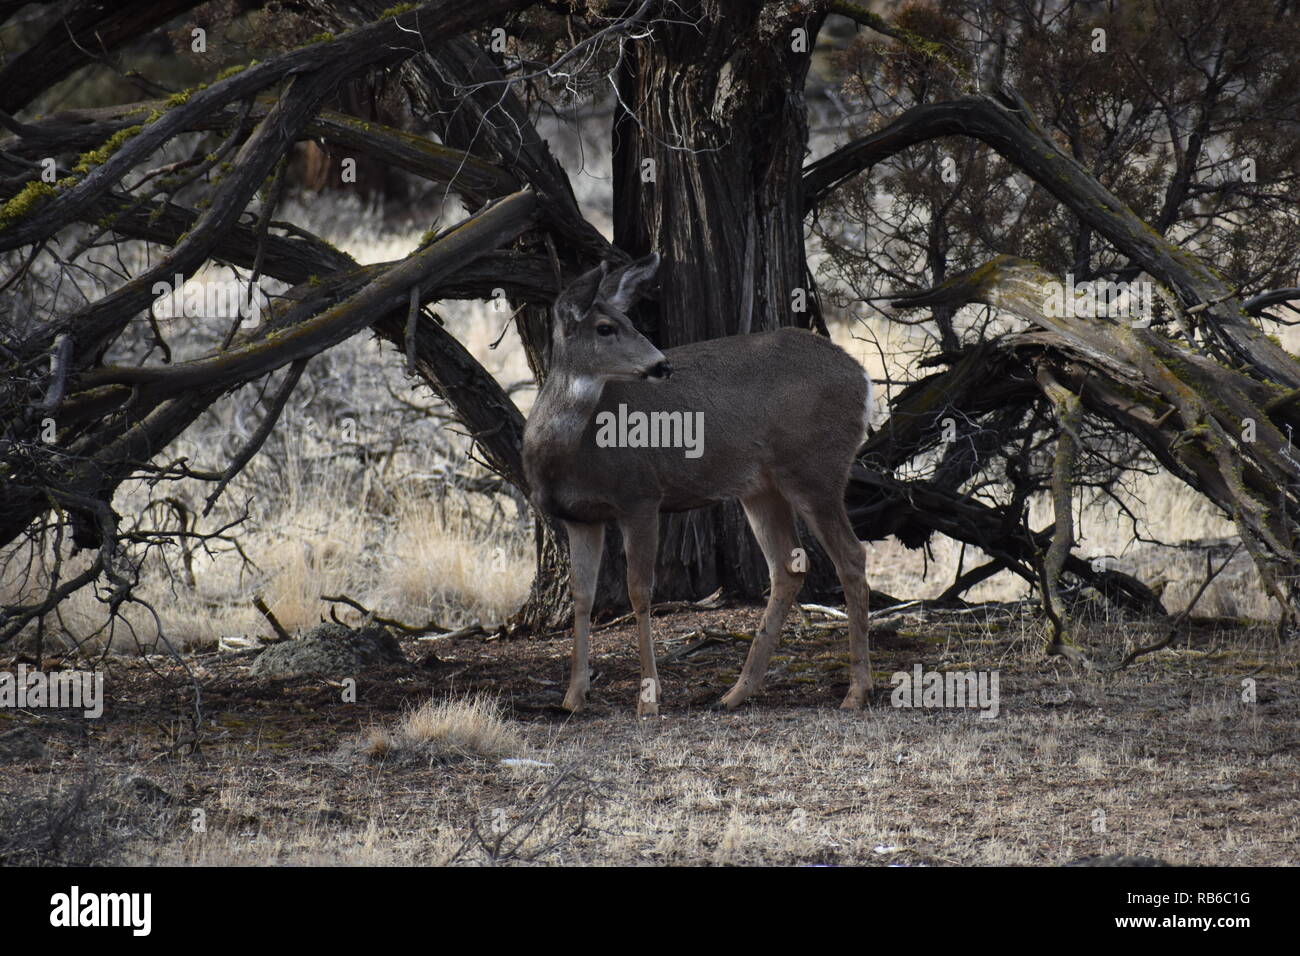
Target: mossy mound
[330, 650]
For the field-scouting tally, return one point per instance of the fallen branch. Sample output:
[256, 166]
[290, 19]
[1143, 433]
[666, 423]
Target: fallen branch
[708, 638]
[1069, 412]
[280, 633]
[1178, 621]
[386, 621]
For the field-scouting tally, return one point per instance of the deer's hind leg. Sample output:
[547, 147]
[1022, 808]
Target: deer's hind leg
[586, 544]
[641, 545]
[772, 520]
[826, 518]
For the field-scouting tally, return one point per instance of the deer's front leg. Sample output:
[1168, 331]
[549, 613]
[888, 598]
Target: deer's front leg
[586, 542]
[641, 543]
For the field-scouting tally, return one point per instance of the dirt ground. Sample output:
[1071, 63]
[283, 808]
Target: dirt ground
[1168, 759]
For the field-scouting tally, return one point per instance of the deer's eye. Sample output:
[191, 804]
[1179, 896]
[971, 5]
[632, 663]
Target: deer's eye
[605, 328]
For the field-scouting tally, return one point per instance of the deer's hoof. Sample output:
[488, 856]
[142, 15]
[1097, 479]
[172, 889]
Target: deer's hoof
[733, 698]
[574, 701]
[856, 698]
[645, 708]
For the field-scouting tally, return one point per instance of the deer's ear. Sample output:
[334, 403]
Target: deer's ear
[575, 301]
[624, 287]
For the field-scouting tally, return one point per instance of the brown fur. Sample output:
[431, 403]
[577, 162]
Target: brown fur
[782, 418]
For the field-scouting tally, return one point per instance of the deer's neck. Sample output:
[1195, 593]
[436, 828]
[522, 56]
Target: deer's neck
[563, 410]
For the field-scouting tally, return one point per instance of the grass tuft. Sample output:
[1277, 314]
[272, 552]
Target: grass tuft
[445, 730]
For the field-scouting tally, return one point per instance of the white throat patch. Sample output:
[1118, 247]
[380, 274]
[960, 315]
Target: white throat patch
[584, 388]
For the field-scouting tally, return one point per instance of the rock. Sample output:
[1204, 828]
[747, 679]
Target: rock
[330, 650]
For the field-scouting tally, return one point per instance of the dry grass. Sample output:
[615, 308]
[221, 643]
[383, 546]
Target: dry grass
[1168, 759]
[456, 566]
[449, 729]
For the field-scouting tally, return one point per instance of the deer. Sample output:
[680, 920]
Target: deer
[782, 415]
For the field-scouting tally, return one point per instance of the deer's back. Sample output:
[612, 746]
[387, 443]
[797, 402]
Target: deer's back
[774, 407]
[787, 371]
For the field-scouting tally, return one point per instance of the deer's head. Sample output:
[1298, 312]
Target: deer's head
[592, 335]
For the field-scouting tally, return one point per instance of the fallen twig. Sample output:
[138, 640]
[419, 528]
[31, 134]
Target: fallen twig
[280, 633]
[823, 609]
[470, 630]
[1183, 615]
[707, 638]
[386, 621]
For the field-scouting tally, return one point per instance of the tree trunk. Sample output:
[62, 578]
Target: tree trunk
[708, 156]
